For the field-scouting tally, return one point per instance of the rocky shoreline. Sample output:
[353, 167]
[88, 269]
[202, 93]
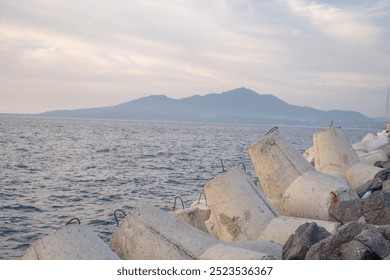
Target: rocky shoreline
[332, 203]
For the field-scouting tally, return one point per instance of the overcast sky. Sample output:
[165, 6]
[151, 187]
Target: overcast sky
[90, 53]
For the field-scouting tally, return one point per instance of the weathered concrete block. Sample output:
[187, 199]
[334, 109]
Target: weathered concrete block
[270, 247]
[72, 242]
[311, 195]
[226, 252]
[360, 173]
[278, 164]
[370, 143]
[309, 155]
[203, 207]
[372, 157]
[334, 155]
[191, 216]
[147, 228]
[240, 211]
[212, 228]
[291, 183]
[281, 228]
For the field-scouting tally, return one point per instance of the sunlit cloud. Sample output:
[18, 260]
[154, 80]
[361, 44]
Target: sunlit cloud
[349, 24]
[298, 50]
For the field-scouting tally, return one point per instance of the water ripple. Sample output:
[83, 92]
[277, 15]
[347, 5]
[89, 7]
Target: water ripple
[55, 170]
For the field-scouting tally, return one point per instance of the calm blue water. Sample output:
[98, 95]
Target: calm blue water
[52, 170]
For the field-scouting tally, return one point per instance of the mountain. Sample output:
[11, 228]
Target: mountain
[239, 105]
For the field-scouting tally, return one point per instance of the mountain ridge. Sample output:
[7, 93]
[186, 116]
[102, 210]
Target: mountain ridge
[239, 105]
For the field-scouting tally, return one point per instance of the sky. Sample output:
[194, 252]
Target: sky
[90, 53]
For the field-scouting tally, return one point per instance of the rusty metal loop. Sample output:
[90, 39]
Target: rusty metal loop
[116, 218]
[174, 204]
[243, 166]
[272, 130]
[335, 199]
[200, 196]
[74, 219]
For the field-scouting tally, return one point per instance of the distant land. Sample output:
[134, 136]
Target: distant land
[239, 105]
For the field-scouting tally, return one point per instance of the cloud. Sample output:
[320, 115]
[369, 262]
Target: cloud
[297, 50]
[348, 24]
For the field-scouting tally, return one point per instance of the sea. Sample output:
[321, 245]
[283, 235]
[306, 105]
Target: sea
[54, 170]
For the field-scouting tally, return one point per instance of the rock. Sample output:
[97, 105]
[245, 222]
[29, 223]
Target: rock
[383, 174]
[353, 241]
[386, 186]
[330, 247]
[367, 194]
[375, 241]
[376, 208]
[347, 211]
[372, 185]
[383, 164]
[355, 250]
[384, 230]
[299, 243]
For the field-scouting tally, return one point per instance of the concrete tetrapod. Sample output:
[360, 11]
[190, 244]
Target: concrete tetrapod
[334, 155]
[239, 209]
[372, 157]
[242, 212]
[371, 143]
[149, 233]
[291, 183]
[72, 242]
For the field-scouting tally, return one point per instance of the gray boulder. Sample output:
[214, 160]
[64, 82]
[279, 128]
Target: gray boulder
[383, 229]
[347, 211]
[355, 250]
[330, 248]
[300, 242]
[385, 173]
[376, 208]
[372, 185]
[383, 164]
[353, 241]
[375, 241]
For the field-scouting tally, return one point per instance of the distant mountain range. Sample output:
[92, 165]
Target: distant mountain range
[236, 106]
